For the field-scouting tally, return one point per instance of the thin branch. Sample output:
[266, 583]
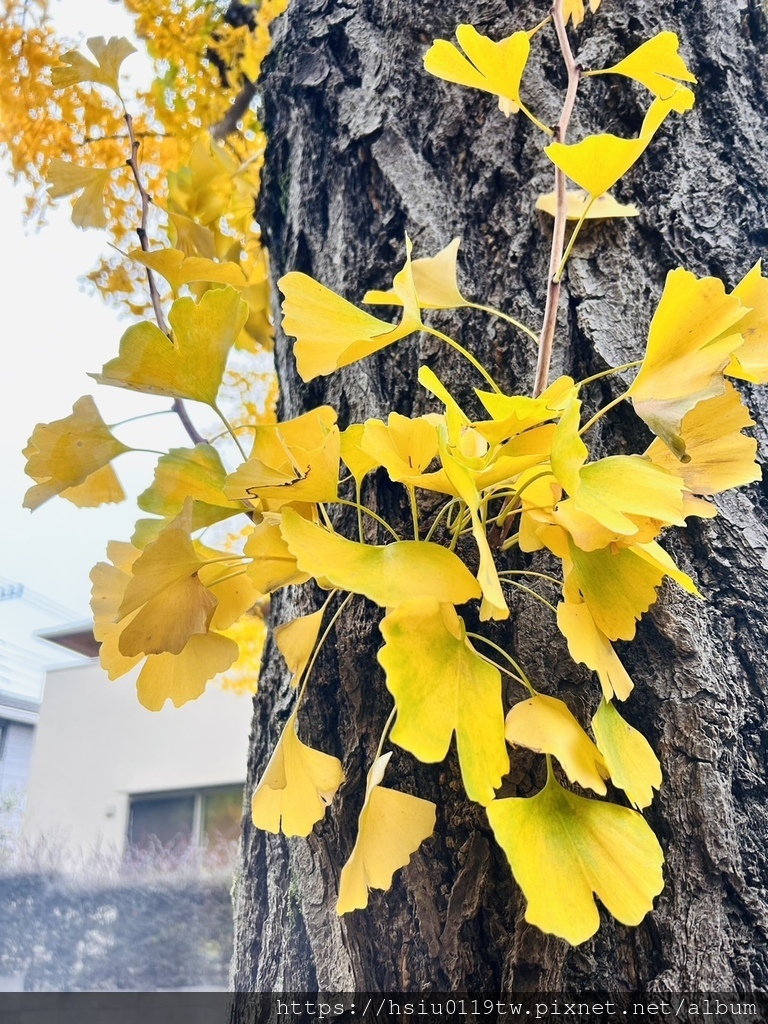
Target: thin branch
[558, 232]
[157, 306]
[228, 124]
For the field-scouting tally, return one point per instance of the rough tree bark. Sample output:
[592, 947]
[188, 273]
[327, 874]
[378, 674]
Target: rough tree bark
[363, 146]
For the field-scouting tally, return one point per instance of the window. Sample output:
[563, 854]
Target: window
[207, 818]
[4, 729]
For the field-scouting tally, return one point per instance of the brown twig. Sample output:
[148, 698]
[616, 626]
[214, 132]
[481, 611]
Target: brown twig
[133, 162]
[558, 232]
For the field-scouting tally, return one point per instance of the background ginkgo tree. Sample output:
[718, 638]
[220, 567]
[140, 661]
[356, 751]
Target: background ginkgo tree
[457, 499]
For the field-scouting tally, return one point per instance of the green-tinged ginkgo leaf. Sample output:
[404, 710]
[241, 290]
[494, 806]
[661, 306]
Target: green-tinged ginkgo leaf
[297, 785]
[564, 848]
[165, 591]
[578, 206]
[64, 178]
[493, 604]
[619, 584]
[297, 460]
[435, 280]
[597, 162]
[182, 677]
[692, 336]
[574, 10]
[357, 461]
[386, 574]
[633, 765]
[330, 332]
[391, 827]
[273, 565]
[65, 453]
[441, 685]
[178, 269]
[296, 640]
[655, 64]
[751, 360]
[493, 67]
[109, 57]
[190, 365]
[719, 455]
[196, 473]
[546, 725]
[588, 645]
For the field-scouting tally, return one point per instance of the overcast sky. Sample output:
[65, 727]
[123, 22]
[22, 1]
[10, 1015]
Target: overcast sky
[54, 333]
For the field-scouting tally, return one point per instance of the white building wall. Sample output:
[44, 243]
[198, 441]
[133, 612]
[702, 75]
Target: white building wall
[96, 746]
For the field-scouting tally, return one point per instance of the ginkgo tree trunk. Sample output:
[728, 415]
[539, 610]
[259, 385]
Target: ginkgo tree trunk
[365, 147]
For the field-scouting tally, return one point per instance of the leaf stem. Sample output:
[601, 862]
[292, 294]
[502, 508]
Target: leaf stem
[321, 641]
[463, 352]
[368, 512]
[504, 316]
[572, 240]
[515, 665]
[601, 412]
[558, 231]
[384, 731]
[607, 373]
[230, 431]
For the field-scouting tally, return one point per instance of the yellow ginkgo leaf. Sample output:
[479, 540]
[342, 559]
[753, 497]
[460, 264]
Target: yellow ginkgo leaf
[609, 498]
[178, 269]
[441, 686]
[273, 565]
[65, 178]
[692, 336]
[546, 725]
[109, 57]
[297, 785]
[296, 640]
[493, 67]
[183, 677]
[564, 848]
[578, 206]
[750, 362]
[574, 10]
[597, 162]
[656, 64]
[330, 332]
[196, 473]
[386, 574]
[633, 765]
[435, 280]
[405, 446]
[100, 488]
[280, 472]
[493, 604]
[108, 587]
[590, 646]
[357, 461]
[166, 593]
[235, 591]
[176, 677]
[719, 455]
[192, 364]
[513, 414]
[63, 454]
[391, 827]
